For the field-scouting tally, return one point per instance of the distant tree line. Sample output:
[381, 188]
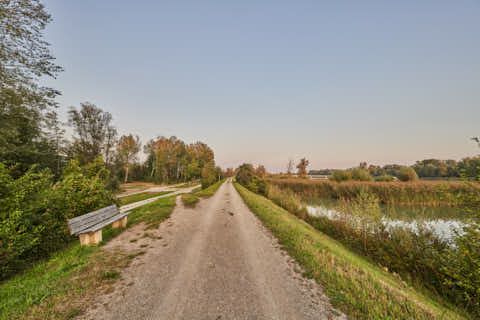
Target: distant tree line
[468, 168]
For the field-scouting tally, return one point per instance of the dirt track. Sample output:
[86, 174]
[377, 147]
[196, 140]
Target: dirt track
[215, 261]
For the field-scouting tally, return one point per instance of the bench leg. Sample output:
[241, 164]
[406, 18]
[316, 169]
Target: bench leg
[121, 223]
[89, 238]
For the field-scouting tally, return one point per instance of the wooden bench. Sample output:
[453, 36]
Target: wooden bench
[89, 226]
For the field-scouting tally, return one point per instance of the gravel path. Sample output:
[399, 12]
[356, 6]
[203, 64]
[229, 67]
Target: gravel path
[215, 261]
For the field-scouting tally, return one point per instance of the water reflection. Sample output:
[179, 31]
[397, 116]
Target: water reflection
[446, 229]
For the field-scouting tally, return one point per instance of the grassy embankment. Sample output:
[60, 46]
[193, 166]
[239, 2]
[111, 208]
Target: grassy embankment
[191, 199]
[354, 285]
[392, 193]
[62, 286]
[141, 196]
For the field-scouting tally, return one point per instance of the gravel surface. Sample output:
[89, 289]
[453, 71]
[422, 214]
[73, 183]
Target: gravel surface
[215, 261]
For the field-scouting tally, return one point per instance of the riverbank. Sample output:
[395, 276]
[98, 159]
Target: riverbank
[358, 287]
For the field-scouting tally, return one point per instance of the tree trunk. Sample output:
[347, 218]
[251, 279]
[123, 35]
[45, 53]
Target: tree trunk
[126, 174]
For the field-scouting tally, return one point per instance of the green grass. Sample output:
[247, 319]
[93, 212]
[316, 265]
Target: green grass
[353, 284]
[53, 289]
[57, 288]
[152, 214]
[190, 200]
[210, 191]
[141, 196]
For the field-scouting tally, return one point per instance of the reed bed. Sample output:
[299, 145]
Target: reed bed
[424, 193]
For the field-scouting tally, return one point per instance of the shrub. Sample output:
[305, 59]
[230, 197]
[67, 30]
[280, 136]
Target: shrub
[33, 211]
[384, 178]
[246, 177]
[359, 174]
[341, 175]
[407, 174]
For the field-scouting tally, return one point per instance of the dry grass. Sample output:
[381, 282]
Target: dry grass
[426, 193]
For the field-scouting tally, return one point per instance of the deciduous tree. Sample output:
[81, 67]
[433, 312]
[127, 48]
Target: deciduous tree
[302, 167]
[94, 133]
[128, 148]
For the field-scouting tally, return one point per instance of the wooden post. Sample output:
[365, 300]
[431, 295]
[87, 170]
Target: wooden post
[120, 223]
[90, 238]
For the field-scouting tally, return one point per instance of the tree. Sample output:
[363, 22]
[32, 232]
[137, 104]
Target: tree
[24, 59]
[302, 167]
[229, 172]
[260, 171]
[24, 54]
[128, 148]
[290, 166]
[95, 135]
[407, 174]
[477, 140]
[55, 134]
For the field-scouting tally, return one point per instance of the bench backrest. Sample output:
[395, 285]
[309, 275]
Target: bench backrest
[89, 220]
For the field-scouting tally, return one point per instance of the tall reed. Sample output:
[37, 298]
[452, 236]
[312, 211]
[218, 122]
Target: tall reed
[391, 193]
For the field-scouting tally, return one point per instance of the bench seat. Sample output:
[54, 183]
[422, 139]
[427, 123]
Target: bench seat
[89, 226]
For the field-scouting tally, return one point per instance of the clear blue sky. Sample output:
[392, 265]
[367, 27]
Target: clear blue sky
[338, 82]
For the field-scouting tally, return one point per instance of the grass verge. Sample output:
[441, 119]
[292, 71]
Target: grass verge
[141, 196]
[210, 191]
[61, 287]
[152, 214]
[354, 285]
[64, 285]
[192, 198]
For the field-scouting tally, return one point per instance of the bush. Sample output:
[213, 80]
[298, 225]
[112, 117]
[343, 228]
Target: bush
[34, 212]
[341, 175]
[407, 174]
[359, 174]
[246, 177]
[384, 178]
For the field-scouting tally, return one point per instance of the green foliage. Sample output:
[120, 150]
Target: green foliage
[94, 137]
[384, 178]
[34, 211]
[170, 160]
[209, 175]
[360, 174]
[341, 175]
[407, 174]
[246, 176]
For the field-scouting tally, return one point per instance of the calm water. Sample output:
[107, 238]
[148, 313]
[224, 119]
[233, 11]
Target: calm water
[443, 221]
